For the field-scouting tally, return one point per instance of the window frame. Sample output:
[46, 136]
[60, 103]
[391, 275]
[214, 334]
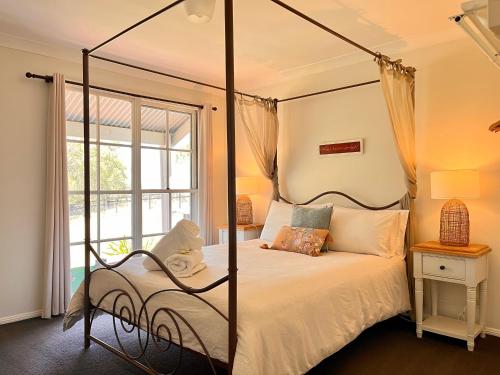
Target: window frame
[193, 191]
[136, 192]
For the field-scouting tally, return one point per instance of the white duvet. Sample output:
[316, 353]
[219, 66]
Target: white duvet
[293, 310]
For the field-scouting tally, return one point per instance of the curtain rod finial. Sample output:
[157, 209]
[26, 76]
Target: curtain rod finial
[29, 75]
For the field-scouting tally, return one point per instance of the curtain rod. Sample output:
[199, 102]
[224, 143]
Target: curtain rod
[48, 79]
[166, 74]
[330, 90]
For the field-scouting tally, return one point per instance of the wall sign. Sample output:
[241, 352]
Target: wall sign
[354, 146]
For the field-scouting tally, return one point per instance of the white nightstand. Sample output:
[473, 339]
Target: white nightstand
[460, 265]
[243, 232]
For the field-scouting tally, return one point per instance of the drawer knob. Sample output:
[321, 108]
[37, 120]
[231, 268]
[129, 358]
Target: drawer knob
[442, 267]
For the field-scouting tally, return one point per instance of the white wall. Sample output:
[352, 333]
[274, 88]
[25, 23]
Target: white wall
[457, 98]
[23, 109]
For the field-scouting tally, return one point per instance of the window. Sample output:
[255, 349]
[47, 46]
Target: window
[143, 173]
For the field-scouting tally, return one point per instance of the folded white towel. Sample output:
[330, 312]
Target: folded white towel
[184, 236]
[185, 263]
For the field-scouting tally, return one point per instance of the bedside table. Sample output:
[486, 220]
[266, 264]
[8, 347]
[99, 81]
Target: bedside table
[460, 265]
[243, 232]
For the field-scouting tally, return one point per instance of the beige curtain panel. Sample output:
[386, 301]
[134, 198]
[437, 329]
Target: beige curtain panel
[57, 273]
[398, 86]
[205, 177]
[259, 118]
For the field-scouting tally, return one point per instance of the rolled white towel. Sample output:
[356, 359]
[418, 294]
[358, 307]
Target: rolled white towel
[185, 263]
[183, 236]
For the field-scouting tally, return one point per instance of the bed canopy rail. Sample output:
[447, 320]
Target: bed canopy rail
[329, 90]
[138, 23]
[166, 74]
[326, 28]
[231, 277]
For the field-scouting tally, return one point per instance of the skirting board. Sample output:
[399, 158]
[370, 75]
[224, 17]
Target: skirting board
[492, 331]
[38, 313]
[19, 317]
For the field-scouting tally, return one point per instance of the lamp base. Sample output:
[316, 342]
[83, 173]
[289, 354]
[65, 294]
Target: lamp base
[454, 224]
[244, 213]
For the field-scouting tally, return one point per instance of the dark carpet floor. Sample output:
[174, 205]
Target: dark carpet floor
[40, 347]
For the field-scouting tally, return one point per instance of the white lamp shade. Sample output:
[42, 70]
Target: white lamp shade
[463, 183]
[247, 185]
[199, 11]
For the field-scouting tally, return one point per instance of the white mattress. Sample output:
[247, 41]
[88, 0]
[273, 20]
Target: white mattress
[293, 310]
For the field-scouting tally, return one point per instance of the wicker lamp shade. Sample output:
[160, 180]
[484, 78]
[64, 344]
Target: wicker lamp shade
[244, 187]
[454, 224]
[244, 212]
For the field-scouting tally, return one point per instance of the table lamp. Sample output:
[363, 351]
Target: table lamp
[451, 185]
[244, 187]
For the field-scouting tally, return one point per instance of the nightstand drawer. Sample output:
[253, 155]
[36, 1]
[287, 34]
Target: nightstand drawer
[449, 268]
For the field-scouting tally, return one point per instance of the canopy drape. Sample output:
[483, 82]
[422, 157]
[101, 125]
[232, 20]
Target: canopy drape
[57, 272]
[398, 86]
[260, 121]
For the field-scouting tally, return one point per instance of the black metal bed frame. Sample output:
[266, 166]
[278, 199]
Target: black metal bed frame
[130, 316]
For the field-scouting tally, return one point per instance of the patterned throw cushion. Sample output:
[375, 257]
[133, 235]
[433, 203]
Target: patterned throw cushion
[300, 240]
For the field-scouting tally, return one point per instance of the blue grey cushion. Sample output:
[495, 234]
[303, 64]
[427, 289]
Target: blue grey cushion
[311, 217]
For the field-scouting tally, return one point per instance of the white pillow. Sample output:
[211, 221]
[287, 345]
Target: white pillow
[280, 214]
[367, 232]
[399, 233]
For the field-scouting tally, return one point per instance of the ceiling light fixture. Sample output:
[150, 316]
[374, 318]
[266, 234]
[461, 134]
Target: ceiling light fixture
[199, 11]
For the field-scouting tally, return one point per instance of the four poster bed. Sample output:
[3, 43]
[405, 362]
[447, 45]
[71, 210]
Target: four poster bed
[293, 310]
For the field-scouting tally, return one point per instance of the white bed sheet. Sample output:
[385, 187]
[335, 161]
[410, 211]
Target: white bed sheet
[293, 310]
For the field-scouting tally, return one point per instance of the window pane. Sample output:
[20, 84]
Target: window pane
[149, 242]
[74, 131]
[153, 127]
[115, 168]
[77, 218]
[155, 211]
[116, 215]
[74, 115]
[113, 251]
[180, 170]
[77, 255]
[180, 207]
[75, 166]
[153, 169]
[115, 119]
[179, 130]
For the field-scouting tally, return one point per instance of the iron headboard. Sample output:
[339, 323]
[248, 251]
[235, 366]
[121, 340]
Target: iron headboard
[354, 200]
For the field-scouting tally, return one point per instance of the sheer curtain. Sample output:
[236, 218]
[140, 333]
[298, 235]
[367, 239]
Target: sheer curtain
[260, 121]
[57, 273]
[398, 85]
[205, 175]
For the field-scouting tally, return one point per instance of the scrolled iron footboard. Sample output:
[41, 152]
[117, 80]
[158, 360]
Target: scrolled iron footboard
[131, 315]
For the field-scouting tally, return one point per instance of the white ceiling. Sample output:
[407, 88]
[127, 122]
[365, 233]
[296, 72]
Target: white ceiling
[271, 44]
